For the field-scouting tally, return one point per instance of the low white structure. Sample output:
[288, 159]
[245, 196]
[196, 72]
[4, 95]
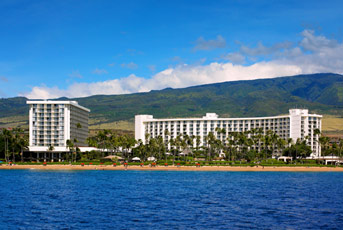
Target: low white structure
[52, 123]
[297, 124]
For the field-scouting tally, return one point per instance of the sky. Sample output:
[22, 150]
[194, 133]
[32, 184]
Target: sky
[51, 49]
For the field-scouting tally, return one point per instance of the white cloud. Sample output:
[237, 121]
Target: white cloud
[260, 49]
[321, 54]
[75, 74]
[130, 65]
[311, 42]
[180, 76]
[202, 44]
[312, 55]
[99, 71]
[236, 58]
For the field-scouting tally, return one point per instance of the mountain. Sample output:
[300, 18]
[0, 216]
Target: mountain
[320, 93]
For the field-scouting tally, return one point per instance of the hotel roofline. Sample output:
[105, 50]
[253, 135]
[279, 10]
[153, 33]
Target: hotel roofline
[151, 118]
[74, 103]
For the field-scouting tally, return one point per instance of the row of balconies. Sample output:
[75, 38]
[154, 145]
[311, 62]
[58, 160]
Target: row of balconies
[47, 128]
[41, 145]
[213, 129]
[224, 126]
[205, 132]
[271, 121]
[47, 133]
[48, 110]
[37, 136]
[47, 141]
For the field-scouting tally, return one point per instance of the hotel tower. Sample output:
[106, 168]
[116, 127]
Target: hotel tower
[52, 123]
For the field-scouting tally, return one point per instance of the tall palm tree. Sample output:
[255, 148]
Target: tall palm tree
[274, 140]
[340, 147]
[197, 142]
[50, 149]
[166, 140]
[172, 142]
[7, 137]
[281, 143]
[324, 143]
[211, 139]
[70, 146]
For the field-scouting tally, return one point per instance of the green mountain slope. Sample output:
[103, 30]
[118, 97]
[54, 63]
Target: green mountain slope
[321, 93]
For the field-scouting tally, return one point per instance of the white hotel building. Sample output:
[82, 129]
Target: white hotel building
[52, 123]
[297, 124]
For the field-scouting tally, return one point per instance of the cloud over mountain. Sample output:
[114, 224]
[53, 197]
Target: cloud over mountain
[312, 54]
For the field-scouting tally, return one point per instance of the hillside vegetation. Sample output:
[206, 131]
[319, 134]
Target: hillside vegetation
[320, 93]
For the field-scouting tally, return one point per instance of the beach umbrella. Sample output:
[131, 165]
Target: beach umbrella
[151, 159]
[113, 156]
[136, 159]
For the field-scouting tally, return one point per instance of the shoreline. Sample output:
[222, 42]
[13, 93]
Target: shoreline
[175, 168]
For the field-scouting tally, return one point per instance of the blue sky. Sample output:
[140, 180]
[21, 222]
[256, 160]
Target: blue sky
[60, 48]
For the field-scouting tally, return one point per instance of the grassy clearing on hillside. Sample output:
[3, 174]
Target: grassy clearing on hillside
[331, 123]
[117, 125]
[15, 121]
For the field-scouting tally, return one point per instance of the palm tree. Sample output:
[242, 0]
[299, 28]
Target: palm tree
[242, 141]
[166, 135]
[324, 142]
[234, 144]
[178, 144]
[147, 137]
[211, 139]
[160, 146]
[76, 148]
[23, 143]
[7, 136]
[340, 147]
[280, 143]
[50, 149]
[70, 146]
[172, 142]
[274, 140]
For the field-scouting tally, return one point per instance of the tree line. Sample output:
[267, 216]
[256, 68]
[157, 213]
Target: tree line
[13, 143]
[250, 145]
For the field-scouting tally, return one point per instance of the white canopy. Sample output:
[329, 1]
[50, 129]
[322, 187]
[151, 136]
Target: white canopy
[151, 159]
[113, 156]
[168, 154]
[284, 158]
[136, 159]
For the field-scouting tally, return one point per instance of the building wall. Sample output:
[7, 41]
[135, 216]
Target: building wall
[298, 124]
[78, 116]
[47, 125]
[52, 123]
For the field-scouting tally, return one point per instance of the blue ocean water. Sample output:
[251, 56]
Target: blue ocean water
[31, 199]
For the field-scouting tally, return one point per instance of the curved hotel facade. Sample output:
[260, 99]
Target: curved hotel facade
[297, 124]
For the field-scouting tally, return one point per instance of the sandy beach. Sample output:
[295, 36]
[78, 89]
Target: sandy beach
[175, 168]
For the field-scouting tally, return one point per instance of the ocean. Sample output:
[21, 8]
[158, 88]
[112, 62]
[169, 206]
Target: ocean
[32, 199]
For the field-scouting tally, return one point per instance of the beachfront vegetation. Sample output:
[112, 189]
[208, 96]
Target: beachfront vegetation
[250, 146]
[13, 143]
[244, 147]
